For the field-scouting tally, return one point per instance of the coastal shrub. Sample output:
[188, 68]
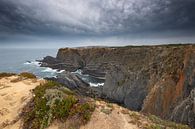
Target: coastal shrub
[27, 75]
[106, 111]
[6, 74]
[136, 118]
[61, 108]
[163, 123]
[154, 126]
[53, 101]
[84, 110]
[110, 105]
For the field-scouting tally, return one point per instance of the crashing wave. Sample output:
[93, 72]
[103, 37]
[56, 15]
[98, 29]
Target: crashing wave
[96, 84]
[50, 70]
[36, 63]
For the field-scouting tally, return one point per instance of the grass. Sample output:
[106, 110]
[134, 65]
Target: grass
[161, 124]
[27, 75]
[106, 111]
[21, 76]
[154, 122]
[136, 118]
[110, 105]
[84, 110]
[154, 126]
[53, 101]
[6, 74]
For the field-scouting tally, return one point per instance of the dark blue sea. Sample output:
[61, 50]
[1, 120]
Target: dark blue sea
[17, 60]
[25, 60]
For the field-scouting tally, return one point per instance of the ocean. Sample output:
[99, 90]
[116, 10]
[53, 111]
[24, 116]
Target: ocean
[24, 60]
[16, 61]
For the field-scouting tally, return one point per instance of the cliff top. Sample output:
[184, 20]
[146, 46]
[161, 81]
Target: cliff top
[128, 46]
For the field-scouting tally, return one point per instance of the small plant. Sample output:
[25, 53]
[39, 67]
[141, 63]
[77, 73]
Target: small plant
[67, 91]
[134, 115]
[106, 111]
[110, 105]
[135, 118]
[27, 75]
[121, 82]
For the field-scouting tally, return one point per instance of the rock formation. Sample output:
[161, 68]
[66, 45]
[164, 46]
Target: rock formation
[159, 80]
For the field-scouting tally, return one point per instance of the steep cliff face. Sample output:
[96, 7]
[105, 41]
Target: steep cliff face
[158, 79]
[173, 96]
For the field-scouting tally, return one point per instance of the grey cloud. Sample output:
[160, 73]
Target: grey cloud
[95, 17]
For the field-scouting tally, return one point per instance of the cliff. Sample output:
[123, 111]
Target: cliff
[158, 80]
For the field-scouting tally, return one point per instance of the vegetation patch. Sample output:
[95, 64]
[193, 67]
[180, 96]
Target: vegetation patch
[154, 122]
[162, 124]
[2, 75]
[27, 75]
[53, 101]
[121, 82]
[136, 118]
[106, 111]
[110, 105]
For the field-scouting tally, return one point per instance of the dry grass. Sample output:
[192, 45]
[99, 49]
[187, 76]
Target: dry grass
[2, 75]
[27, 75]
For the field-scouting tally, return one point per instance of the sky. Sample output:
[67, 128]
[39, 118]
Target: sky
[71, 23]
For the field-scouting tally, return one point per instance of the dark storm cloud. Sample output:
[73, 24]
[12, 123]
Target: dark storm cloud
[95, 17]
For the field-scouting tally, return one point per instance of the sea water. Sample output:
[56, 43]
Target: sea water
[25, 60]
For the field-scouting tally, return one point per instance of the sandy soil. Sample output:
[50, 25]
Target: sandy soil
[13, 97]
[110, 116]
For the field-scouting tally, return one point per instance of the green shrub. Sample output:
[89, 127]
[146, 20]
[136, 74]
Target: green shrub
[54, 101]
[6, 75]
[106, 111]
[62, 107]
[84, 110]
[163, 123]
[27, 75]
[154, 126]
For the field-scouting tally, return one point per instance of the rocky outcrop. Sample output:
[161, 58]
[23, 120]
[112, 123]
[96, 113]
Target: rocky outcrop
[75, 83]
[126, 88]
[153, 79]
[71, 80]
